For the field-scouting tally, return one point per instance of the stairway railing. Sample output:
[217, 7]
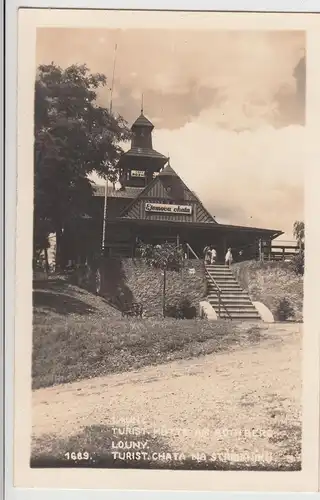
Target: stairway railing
[219, 293]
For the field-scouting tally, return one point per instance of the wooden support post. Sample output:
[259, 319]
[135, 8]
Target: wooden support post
[224, 248]
[164, 293]
[46, 261]
[260, 250]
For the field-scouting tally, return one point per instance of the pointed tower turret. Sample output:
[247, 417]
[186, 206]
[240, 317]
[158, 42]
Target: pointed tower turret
[141, 163]
[142, 132]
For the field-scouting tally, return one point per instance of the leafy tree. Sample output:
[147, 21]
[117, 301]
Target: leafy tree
[298, 233]
[74, 137]
[166, 256]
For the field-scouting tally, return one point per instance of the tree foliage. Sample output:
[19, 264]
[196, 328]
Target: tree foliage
[74, 137]
[166, 256]
[299, 234]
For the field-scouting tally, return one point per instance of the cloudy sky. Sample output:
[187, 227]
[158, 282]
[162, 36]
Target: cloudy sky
[228, 108]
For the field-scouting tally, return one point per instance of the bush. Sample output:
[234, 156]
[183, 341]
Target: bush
[182, 310]
[284, 310]
[270, 282]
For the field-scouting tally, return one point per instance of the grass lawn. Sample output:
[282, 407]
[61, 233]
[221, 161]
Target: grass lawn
[78, 336]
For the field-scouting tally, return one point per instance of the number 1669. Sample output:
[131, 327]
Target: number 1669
[80, 455]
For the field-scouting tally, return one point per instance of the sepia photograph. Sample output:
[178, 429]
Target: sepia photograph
[167, 240]
[168, 249]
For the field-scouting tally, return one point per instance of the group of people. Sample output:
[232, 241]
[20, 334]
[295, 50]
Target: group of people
[210, 255]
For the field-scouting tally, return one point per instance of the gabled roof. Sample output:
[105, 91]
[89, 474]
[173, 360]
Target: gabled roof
[142, 121]
[129, 192]
[159, 189]
[144, 152]
[168, 171]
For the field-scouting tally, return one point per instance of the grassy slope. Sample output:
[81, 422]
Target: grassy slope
[77, 335]
[269, 282]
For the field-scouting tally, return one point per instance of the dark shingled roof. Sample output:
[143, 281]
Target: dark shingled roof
[142, 121]
[144, 152]
[129, 192]
[168, 170]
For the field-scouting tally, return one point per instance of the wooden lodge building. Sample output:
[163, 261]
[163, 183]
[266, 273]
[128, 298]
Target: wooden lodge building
[154, 205]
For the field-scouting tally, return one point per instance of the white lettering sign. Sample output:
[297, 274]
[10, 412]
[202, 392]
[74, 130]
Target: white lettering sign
[168, 209]
[138, 173]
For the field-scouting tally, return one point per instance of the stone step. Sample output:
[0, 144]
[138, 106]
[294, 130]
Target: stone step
[212, 267]
[240, 319]
[237, 310]
[227, 296]
[235, 302]
[218, 276]
[234, 307]
[225, 293]
[224, 283]
[220, 266]
[228, 279]
[219, 271]
[223, 270]
[225, 289]
[239, 316]
[238, 302]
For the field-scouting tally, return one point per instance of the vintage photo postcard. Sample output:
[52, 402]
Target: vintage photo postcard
[166, 314]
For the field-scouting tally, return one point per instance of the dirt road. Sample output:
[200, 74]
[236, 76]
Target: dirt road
[245, 400]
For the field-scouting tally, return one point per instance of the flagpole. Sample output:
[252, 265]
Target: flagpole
[107, 183]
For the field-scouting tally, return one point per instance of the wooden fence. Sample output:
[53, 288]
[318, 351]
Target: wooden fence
[279, 253]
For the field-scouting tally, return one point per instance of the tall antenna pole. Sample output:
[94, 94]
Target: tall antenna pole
[106, 186]
[113, 72]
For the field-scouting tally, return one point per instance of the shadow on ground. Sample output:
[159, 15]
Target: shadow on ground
[60, 303]
[100, 446]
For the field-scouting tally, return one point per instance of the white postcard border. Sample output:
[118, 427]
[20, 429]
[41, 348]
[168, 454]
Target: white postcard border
[311, 344]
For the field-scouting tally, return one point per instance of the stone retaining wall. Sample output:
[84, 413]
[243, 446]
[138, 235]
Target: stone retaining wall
[135, 281]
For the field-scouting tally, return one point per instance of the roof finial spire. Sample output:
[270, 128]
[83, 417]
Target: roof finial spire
[142, 104]
[169, 159]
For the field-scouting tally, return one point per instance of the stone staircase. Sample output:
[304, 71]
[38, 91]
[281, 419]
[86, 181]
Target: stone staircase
[235, 303]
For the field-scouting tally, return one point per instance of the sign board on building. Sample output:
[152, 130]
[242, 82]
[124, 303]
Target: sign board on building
[168, 209]
[138, 173]
[141, 173]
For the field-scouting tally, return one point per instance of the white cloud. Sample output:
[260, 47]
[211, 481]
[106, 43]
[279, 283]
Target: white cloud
[250, 178]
